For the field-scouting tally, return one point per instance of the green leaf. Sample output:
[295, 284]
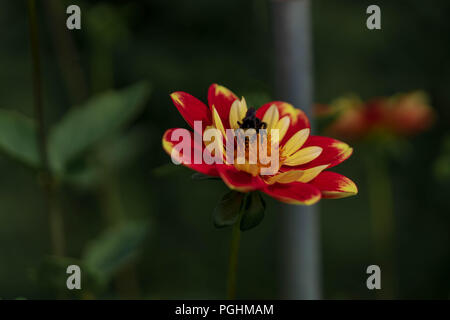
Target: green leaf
[253, 214]
[116, 153]
[86, 125]
[227, 210]
[124, 148]
[87, 176]
[18, 138]
[114, 248]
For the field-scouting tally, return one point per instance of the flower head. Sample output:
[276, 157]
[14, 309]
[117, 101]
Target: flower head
[292, 167]
[408, 114]
[401, 115]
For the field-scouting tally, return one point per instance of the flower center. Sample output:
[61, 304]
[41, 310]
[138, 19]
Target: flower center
[253, 137]
[250, 121]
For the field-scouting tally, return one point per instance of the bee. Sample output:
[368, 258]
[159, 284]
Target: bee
[251, 121]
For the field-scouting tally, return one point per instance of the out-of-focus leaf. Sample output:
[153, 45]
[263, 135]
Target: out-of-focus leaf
[253, 211]
[18, 138]
[114, 248]
[86, 177]
[227, 210]
[115, 154]
[124, 148]
[86, 125]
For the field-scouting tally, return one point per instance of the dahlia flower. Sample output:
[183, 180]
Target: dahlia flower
[301, 173]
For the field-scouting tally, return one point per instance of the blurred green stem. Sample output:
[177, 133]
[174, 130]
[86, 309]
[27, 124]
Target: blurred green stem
[234, 256]
[67, 54]
[381, 207]
[52, 204]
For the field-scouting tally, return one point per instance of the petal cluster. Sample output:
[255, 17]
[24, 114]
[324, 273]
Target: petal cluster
[300, 177]
[400, 115]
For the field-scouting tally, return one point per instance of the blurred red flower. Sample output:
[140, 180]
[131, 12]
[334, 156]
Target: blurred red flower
[400, 115]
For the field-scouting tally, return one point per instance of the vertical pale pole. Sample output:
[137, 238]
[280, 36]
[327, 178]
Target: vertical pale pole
[300, 261]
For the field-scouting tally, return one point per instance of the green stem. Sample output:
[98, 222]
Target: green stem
[55, 218]
[67, 55]
[382, 216]
[234, 257]
[37, 82]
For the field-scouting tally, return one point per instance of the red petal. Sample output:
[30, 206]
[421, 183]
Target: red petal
[298, 118]
[333, 153]
[169, 143]
[221, 98]
[191, 108]
[239, 180]
[334, 185]
[294, 193]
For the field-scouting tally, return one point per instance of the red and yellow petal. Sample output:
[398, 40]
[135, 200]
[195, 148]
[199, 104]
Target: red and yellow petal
[239, 180]
[294, 193]
[191, 109]
[221, 98]
[285, 177]
[298, 119]
[334, 185]
[333, 152]
[169, 142]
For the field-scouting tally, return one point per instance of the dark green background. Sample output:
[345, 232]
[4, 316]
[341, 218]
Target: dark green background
[186, 46]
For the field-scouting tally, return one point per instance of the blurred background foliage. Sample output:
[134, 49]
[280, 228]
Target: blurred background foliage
[142, 229]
